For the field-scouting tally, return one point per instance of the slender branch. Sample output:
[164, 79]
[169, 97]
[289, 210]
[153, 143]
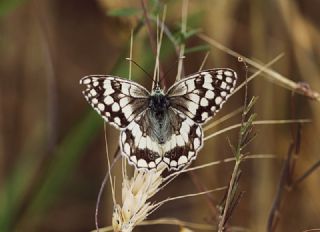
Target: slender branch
[259, 122]
[208, 197]
[183, 31]
[228, 199]
[149, 28]
[313, 168]
[227, 160]
[273, 215]
[151, 35]
[283, 81]
[189, 195]
[222, 119]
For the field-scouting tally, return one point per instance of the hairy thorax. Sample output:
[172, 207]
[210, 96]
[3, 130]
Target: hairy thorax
[158, 115]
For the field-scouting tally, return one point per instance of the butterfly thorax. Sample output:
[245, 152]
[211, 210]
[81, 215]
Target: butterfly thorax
[158, 116]
[159, 103]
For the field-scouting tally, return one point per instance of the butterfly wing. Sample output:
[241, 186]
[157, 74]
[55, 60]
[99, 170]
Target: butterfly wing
[137, 144]
[186, 139]
[117, 100]
[201, 95]
[183, 139]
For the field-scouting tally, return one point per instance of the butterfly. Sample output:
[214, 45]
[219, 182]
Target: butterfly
[160, 127]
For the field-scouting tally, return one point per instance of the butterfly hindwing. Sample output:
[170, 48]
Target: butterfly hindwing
[137, 144]
[144, 151]
[117, 100]
[201, 95]
[186, 139]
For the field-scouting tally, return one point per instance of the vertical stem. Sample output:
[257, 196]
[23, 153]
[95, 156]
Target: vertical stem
[228, 199]
[131, 47]
[183, 31]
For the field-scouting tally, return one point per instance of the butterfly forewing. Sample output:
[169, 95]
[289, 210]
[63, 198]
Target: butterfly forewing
[117, 100]
[201, 95]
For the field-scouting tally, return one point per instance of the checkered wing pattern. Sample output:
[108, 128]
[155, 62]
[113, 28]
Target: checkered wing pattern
[183, 145]
[143, 151]
[201, 95]
[117, 100]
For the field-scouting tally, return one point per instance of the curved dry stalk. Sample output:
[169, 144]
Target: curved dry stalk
[156, 75]
[204, 61]
[189, 195]
[265, 67]
[131, 47]
[277, 77]
[227, 160]
[258, 122]
[183, 31]
[222, 119]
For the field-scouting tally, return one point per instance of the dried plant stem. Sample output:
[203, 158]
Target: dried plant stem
[258, 72]
[131, 48]
[228, 199]
[278, 78]
[149, 28]
[227, 160]
[260, 122]
[103, 184]
[154, 45]
[222, 119]
[314, 167]
[216, 122]
[183, 31]
[190, 195]
[204, 61]
[157, 73]
[208, 197]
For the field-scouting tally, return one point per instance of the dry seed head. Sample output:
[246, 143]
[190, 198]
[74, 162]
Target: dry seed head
[135, 194]
[185, 229]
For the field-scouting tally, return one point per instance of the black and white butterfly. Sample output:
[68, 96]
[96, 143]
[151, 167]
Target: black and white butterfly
[160, 127]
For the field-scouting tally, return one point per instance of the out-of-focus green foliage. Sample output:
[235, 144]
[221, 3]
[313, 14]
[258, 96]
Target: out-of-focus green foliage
[7, 5]
[124, 12]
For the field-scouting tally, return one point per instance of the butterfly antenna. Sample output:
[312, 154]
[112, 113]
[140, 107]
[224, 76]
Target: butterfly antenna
[131, 60]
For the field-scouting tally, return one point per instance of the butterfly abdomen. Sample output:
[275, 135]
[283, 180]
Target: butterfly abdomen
[158, 117]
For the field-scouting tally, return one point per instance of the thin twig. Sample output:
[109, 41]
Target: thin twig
[227, 160]
[280, 79]
[190, 195]
[208, 197]
[274, 212]
[149, 28]
[153, 43]
[258, 73]
[183, 31]
[204, 61]
[222, 119]
[258, 122]
[107, 175]
[238, 156]
[314, 167]
[131, 48]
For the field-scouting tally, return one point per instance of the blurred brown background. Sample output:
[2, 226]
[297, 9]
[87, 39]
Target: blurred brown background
[52, 152]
